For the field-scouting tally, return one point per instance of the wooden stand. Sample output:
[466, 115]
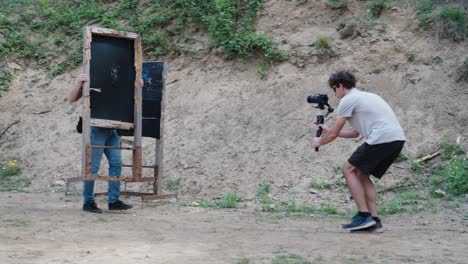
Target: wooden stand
[136, 145]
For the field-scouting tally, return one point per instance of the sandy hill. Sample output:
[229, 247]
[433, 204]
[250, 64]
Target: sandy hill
[226, 129]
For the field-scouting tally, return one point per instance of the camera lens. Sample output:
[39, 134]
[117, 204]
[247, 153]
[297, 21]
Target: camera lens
[312, 99]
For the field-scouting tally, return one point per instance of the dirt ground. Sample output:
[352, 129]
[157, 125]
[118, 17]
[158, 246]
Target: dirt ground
[51, 228]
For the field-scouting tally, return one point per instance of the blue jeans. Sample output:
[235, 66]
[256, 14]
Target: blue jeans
[104, 137]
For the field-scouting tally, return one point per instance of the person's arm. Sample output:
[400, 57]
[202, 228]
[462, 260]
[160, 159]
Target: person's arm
[348, 133]
[76, 93]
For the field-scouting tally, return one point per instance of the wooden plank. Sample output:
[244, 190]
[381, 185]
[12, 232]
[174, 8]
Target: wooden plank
[158, 197]
[113, 33]
[86, 114]
[143, 166]
[106, 178]
[138, 128]
[111, 147]
[111, 124]
[160, 141]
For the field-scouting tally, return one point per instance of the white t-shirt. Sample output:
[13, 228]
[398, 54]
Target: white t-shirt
[371, 116]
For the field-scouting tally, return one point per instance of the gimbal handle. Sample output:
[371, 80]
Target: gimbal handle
[319, 121]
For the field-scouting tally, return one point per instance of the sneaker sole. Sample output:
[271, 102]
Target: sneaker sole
[369, 230]
[373, 223]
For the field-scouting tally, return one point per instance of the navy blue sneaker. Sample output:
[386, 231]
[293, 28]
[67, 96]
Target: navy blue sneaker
[378, 227]
[360, 222]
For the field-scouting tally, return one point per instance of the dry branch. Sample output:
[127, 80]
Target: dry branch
[428, 157]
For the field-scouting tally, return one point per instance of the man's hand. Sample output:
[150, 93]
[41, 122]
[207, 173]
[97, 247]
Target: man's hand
[83, 78]
[324, 128]
[316, 142]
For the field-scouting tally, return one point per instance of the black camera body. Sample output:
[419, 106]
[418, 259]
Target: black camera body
[320, 99]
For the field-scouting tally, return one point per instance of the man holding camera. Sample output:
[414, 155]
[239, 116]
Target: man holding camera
[371, 117]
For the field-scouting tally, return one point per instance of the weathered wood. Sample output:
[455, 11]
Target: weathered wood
[111, 147]
[110, 178]
[113, 33]
[138, 126]
[111, 124]
[107, 178]
[143, 166]
[160, 141]
[428, 157]
[86, 114]
[158, 196]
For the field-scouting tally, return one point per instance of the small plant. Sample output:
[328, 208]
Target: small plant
[173, 184]
[416, 166]
[319, 185]
[10, 170]
[401, 203]
[447, 150]
[377, 70]
[230, 200]
[289, 259]
[410, 56]
[401, 157]
[337, 3]
[244, 260]
[323, 42]
[438, 60]
[338, 167]
[261, 71]
[262, 193]
[8, 181]
[263, 189]
[375, 8]
[452, 23]
[6, 77]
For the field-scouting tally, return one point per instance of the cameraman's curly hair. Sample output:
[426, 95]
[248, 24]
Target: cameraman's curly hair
[346, 78]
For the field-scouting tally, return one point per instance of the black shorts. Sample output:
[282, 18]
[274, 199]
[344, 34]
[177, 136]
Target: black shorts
[376, 159]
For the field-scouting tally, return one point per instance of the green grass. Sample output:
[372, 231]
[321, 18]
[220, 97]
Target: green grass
[337, 183]
[415, 166]
[230, 200]
[410, 56]
[173, 184]
[323, 42]
[244, 261]
[401, 157]
[337, 3]
[9, 180]
[263, 189]
[6, 77]
[376, 7]
[409, 201]
[447, 18]
[289, 259]
[49, 33]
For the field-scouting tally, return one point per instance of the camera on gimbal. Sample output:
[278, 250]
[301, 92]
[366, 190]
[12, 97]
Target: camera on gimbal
[321, 100]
